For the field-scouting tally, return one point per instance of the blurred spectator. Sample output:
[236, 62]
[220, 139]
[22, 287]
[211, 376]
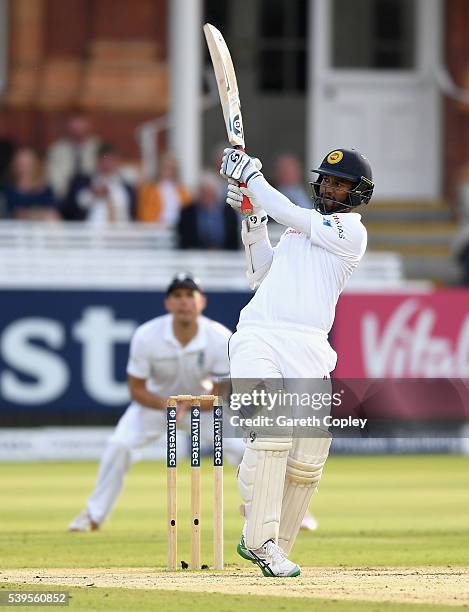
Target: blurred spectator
[27, 195]
[105, 196]
[461, 242]
[217, 155]
[72, 156]
[162, 201]
[208, 223]
[289, 181]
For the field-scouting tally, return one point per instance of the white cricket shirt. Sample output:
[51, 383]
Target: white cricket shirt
[172, 369]
[308, 274]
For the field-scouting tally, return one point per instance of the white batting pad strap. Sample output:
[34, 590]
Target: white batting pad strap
[272, 444]
[260, 480]
[303, 473]
[311, 450]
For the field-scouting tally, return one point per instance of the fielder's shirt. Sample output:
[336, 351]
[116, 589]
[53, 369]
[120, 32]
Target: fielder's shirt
[172, 369]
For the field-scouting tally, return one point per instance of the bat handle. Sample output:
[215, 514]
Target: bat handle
[246, 206]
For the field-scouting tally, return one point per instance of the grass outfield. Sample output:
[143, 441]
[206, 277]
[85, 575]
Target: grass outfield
[388, 512]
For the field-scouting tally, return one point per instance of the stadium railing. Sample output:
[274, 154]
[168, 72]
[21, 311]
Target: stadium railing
[135, 255]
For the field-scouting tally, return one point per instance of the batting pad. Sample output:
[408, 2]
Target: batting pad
[260, 480]
[303, 473]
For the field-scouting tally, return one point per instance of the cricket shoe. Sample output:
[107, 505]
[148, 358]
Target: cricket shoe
[309, 523]
[83, 522]
[270, 558]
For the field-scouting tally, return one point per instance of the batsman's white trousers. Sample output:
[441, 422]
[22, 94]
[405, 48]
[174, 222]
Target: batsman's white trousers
[138, 427]
[263, 353]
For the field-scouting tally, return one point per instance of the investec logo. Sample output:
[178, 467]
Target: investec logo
[217, 439]
[171, 449]
[195, 437]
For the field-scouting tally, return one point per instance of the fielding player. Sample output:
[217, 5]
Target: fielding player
[180, 353]
[283, 332]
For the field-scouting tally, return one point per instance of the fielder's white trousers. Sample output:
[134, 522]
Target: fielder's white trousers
[138, 427]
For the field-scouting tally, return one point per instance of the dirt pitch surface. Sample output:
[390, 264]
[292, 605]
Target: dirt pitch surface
[433, 585]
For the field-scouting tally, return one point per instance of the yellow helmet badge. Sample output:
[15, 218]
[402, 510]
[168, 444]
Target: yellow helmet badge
[335, 157]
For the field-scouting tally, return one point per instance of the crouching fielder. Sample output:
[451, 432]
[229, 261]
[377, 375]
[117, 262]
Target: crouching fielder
[283, 331]
[180, 353]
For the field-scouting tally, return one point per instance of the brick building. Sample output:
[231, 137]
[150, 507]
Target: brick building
[111, 58]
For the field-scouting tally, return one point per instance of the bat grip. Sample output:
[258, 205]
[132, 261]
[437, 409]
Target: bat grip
[246, 206]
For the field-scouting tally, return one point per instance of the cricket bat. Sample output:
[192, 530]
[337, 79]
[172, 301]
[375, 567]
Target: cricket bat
[229, 94]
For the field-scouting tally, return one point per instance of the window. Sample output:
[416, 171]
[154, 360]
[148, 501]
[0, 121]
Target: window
[216, 14]
[373, 34]
[282, 45]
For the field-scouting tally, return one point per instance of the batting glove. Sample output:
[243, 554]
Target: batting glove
[234, 198]
[239, 166]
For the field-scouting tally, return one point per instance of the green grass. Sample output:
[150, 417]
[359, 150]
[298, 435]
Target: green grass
[372, 511]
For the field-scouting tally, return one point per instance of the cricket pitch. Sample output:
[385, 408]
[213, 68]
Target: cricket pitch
[430, 585]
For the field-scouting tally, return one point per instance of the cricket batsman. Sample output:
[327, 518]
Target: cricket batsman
[283, 331]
